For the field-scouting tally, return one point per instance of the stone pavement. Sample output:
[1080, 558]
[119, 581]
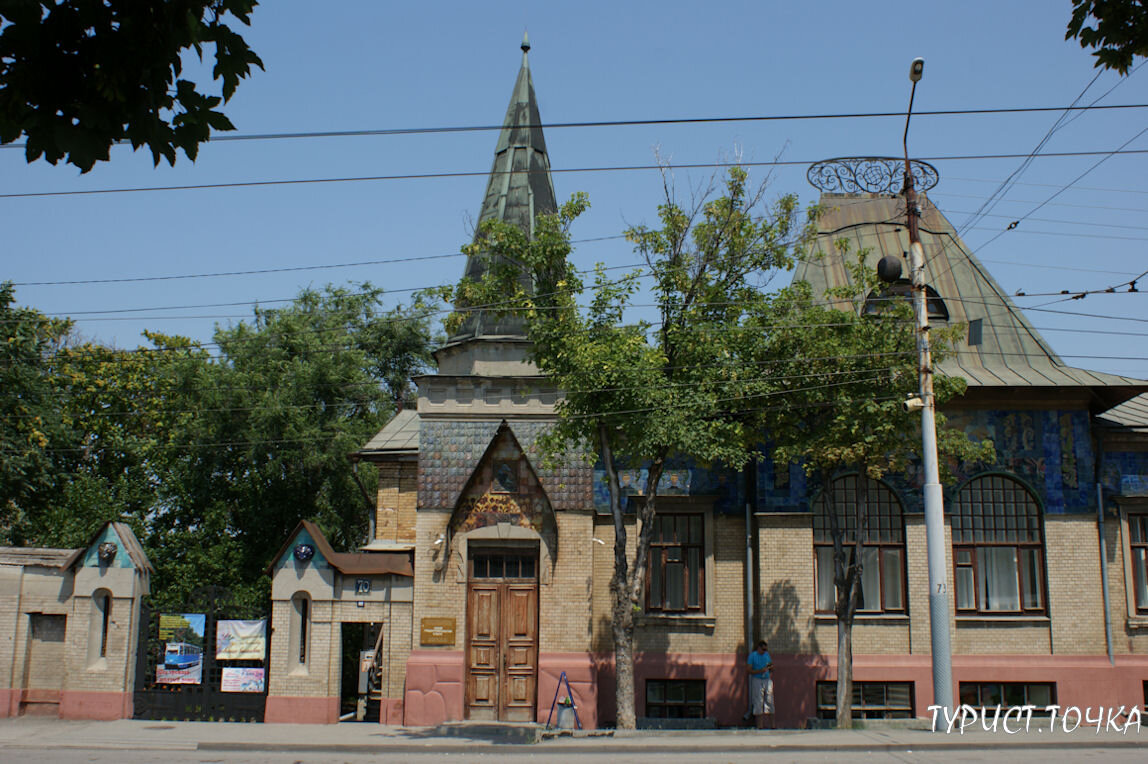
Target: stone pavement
[37, 733]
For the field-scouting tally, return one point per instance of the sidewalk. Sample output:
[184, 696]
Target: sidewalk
[29, 733]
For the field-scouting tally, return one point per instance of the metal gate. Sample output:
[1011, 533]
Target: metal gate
[169, 685]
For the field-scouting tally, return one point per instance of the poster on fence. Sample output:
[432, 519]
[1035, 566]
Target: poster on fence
[240, 640]
[241, 680]
[182, 635]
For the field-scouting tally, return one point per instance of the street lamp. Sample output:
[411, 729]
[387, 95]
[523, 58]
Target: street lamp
[934, 499]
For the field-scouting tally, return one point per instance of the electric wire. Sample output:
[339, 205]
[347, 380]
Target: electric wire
[552, 171]
[226, 137]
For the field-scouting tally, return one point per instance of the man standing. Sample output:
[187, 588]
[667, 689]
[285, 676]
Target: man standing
[759, 665]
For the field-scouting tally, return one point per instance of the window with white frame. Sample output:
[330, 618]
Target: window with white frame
[998, 548]
[883, 543]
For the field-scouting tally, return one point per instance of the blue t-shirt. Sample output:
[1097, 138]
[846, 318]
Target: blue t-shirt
[758, 661]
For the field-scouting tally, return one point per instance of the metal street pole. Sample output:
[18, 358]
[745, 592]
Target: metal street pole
[934, 499]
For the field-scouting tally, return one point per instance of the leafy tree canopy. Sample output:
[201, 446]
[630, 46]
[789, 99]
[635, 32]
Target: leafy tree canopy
[211, 457]
[77, 76]
[30, 420]
[636, 393]
[1116, 30]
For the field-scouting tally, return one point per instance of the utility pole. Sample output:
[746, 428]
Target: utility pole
[934, 498]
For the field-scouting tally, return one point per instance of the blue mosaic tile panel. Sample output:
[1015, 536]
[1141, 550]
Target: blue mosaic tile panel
[1051, 451]
[1124, 473]
[680, 478]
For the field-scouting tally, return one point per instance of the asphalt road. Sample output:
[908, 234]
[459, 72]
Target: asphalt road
[540, 754]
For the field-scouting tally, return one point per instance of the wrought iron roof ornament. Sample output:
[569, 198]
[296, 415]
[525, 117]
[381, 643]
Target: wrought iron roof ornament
[873, 175]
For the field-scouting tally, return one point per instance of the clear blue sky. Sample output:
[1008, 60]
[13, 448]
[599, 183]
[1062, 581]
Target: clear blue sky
[373, 65]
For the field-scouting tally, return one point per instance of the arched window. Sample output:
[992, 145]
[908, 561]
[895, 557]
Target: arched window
[99, 625]
[998, 547]
[903, 289]
[883, 543]
[300, 615]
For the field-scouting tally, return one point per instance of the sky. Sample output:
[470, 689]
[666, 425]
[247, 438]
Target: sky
[371, 65]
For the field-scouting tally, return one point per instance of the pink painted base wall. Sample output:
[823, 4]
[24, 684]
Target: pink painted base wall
[434, 687]
[1083, 681]
[391, 711]
[9, 703]
[100, 706]
[435, 681]
[582, 674]
[286, 710]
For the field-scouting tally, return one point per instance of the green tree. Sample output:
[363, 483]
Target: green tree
[114, 404]
[31, 425]
[843, 363]
[77, 76]
[262, 437]
[1116, 30]
[637, 394]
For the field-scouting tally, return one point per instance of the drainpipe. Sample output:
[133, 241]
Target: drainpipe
[750, 490]
[1104, 571]
[748, 577]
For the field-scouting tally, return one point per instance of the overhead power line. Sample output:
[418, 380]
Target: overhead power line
[329, 266]
[224, 137]
[554, 171]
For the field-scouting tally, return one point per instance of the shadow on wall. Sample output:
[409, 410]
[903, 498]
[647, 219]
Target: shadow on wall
[798, 659]
[726, 688]
[778, 625]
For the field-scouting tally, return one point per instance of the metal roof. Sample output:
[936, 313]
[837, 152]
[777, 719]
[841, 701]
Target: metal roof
[1130, 415]
[519, 189]
[1011, 353]
[48, 558]
[398, 436]
[398, 563]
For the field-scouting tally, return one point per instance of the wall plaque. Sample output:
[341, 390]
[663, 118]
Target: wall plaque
[437, 631]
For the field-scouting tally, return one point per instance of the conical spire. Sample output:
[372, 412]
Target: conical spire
[519, 189]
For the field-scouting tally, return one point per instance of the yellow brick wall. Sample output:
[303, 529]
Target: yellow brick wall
[438, 594]
[1129, 630]
[720, 630]
[785, 604]
[85, 625]
[564, 615]
[396, 504]
[1075, 597]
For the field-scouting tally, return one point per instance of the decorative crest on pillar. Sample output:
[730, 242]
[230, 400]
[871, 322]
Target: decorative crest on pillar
[874, 175]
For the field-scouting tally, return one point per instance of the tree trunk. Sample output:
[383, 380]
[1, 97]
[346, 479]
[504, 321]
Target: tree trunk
[848, 580]
[623, 612]
[844, 673]
[623, 629]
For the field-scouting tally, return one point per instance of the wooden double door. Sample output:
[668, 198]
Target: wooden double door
[502, 636]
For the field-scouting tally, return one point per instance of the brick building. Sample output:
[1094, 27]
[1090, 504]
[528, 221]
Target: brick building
[510, 559]
[69, 620]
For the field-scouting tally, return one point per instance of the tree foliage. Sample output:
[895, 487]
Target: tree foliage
[77, 76]
[1116, 30]
[266, 440]
[30, 420]
[843, 363]
[212, 458]
[636, 394]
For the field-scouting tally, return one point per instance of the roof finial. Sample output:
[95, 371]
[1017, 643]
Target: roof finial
[525, 42]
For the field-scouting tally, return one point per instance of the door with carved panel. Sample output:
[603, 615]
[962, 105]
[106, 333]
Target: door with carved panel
[502, 635]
